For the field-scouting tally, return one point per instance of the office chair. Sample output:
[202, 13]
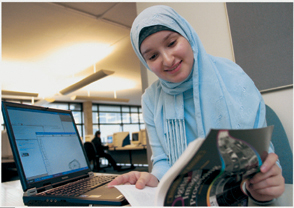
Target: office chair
[281, 144]
[93, 156]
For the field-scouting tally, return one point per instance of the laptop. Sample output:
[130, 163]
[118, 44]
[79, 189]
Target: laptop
[50, 158]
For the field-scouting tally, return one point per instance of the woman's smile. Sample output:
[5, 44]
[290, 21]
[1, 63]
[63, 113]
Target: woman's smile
[175, 68]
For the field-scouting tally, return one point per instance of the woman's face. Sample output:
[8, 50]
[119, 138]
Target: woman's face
[169, 55]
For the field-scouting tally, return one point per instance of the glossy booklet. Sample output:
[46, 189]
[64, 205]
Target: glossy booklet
[210, 172]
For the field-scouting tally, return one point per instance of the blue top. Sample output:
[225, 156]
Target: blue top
[159, 151]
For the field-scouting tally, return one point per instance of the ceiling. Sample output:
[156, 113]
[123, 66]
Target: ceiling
[47, 47]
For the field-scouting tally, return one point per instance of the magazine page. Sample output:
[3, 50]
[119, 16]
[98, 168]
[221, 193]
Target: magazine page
[216, 172]
[138, 197]
[172, 173]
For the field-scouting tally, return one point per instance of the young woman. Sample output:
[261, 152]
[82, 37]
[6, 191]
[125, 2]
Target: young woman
[195, 92]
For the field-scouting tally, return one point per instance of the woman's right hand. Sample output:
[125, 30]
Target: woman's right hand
[140, 179]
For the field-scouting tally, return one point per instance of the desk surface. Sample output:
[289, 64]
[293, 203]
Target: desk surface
[11, 195]
[7, 160]
[129, 147]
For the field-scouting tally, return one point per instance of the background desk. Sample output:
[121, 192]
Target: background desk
[131, 155]
[11, 195]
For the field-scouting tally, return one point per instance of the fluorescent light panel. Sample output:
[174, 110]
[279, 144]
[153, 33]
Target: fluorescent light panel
[88, 80]
[77, 97]
[16, 93]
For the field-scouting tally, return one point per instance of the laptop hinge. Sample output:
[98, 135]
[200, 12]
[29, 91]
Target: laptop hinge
[91, 174]
[31, 191]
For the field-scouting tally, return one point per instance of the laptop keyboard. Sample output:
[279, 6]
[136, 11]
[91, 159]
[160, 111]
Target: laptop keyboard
[79, 187]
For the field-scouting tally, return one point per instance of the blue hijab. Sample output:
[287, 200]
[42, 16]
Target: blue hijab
[224, 96]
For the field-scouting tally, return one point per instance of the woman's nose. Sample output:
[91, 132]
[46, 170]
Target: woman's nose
[168, 59]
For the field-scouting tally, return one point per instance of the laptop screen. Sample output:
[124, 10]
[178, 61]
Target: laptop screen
[47, 142]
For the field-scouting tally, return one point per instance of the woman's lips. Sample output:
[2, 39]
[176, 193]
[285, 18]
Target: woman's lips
[175, 68]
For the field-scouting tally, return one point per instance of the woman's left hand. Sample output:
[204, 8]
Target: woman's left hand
[269, 182]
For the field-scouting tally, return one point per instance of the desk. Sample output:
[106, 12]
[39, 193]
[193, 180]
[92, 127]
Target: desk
[7, 159]
[11, 195]
[8, 162]
[132, 155]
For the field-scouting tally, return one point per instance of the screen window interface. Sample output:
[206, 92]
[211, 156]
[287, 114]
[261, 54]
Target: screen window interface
[47, 142]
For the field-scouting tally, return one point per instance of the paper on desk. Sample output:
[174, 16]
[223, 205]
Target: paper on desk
[138, 197]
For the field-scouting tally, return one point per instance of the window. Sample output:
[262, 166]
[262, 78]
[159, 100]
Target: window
[115, 118]
[109, 117]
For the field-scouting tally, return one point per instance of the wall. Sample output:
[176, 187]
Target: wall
[215, 35]
[262, 37]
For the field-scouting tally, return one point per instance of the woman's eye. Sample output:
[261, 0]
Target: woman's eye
[171, 43]
[152, 57]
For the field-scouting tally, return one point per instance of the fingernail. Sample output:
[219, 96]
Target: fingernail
[140, 185]
[263, 168]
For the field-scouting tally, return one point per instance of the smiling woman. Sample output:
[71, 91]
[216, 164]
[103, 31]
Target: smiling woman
[195, 92]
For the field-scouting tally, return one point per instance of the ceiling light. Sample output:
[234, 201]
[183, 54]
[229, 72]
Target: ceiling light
[44, 102]
[112, 83]
[77, 97]
[93, 77]
[16, 93]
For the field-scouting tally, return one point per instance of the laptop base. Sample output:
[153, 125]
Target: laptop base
[61, 202]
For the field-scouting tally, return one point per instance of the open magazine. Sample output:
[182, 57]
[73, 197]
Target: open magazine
[211, 171]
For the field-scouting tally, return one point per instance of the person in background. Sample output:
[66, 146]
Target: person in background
[195, 92]
[101, 150]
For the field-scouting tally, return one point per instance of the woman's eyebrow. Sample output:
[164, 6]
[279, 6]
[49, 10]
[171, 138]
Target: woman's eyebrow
[164, 39]
[167, 36]
[146, 51]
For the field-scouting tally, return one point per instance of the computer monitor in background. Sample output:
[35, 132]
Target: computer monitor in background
[110, 140]
[142, 137]
[139, 137]
[121, 139]
[136, 138]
